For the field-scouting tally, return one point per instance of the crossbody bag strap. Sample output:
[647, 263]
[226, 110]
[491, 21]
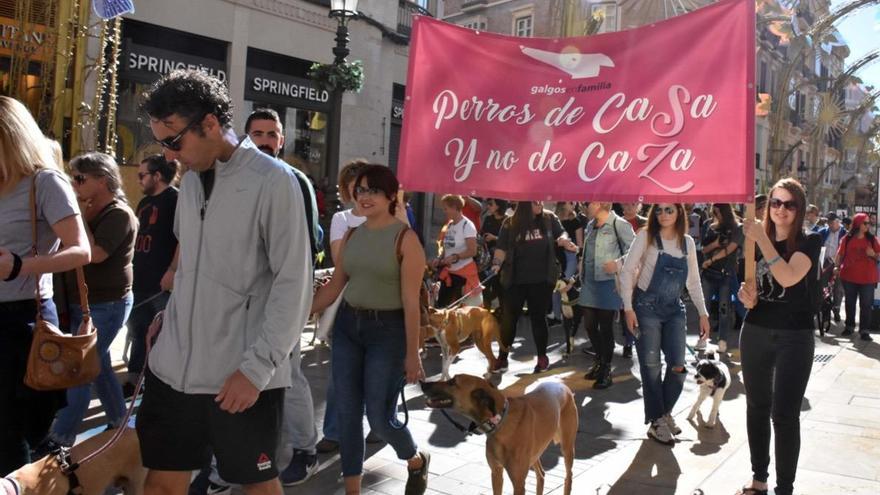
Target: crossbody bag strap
[80, 276]
[617, 236]
[398, 243]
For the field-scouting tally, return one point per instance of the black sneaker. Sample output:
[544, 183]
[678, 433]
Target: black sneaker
[327, 446]
[302, 466]
[603, 380]
[866, 337]
[417, 481]
[846, 332]
[627, 351]
[593, 372]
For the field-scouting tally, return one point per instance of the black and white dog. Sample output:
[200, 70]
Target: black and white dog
[713, 377]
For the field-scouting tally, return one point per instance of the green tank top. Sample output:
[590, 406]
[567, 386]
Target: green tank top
[370, 261]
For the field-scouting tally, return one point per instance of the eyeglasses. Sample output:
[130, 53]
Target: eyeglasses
[80, 179]
[668, 210]
[369, 191]
[776, 203]
[141, 175]
[173, 142]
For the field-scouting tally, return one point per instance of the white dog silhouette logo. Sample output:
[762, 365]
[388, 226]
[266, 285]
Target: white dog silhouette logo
[577, 65]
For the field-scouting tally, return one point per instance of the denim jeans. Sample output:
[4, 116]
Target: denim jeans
[776, 367]
[660, 332]
[139, 322]
[108, 319]
[570, 269]
[25, 414]
[720, 314]
[865, 294]
[368, 369]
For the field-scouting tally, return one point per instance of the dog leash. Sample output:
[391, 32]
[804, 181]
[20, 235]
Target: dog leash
[151, 298]
[481, 286]
[393, 422]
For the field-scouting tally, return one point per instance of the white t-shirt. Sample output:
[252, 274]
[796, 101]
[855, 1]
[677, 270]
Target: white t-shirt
[455, 241]
[341, 222]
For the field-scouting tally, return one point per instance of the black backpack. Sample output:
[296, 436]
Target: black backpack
[316, 233]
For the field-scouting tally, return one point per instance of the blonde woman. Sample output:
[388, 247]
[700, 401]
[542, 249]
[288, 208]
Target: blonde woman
[26, 158]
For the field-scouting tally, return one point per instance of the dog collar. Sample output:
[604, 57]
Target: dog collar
[490, 425]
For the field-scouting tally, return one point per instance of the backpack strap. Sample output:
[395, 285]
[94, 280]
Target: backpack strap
[398, 243]
[617, 236]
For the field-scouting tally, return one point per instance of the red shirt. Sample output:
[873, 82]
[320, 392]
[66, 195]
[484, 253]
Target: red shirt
[857, 267]
[473, 214]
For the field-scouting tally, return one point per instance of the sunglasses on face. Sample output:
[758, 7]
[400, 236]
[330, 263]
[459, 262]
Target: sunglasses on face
[141, 175]
[173, 142]
[80, 179]
[776, 203]
[367, 191]
[668, 210]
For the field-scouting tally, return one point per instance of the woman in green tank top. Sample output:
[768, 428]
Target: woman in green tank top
[376, 334]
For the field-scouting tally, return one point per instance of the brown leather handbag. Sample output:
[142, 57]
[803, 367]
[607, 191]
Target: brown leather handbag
[58, 361]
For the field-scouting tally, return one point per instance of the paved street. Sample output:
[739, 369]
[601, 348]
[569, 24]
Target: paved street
[840, 443]
[841, 429]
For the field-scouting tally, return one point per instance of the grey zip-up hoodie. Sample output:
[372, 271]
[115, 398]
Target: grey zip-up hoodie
[243, 286]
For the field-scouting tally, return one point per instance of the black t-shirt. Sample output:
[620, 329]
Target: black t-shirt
[780, 307]
[726, 235]
[491, 225]
[530, 254]
[155, 245]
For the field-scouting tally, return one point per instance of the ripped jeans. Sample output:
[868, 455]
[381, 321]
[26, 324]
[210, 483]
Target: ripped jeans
[667, 334]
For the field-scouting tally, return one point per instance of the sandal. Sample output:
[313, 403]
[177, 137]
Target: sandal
[750, 491]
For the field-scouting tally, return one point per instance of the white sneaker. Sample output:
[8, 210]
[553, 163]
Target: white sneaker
[670, 422]
[659, 431]
[722, 346]
[701, 345]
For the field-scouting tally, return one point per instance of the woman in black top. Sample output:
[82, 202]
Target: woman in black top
[525, 257]
[777, 338]
[489, 231]
[720, 243]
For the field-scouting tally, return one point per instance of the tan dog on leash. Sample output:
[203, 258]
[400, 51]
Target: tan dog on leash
[452, 327]
[518, 429]
[119, 466]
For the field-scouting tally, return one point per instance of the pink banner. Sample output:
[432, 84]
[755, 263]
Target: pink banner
[664, 112]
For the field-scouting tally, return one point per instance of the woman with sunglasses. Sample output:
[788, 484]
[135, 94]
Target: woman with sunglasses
[26, 159]
[857, 259]
[376, 335]
[662, 262]
[112, 227]
[776, 341]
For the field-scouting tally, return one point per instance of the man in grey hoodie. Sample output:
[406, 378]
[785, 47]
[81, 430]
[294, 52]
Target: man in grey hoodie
[220, 365]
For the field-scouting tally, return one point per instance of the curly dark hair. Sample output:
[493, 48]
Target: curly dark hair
[191, 94]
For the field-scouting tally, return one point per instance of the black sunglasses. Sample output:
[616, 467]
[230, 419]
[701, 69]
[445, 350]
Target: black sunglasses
[173, 142]
[79, 179]
[777, 203]
[371, 191]
[668, 210]
[141, 175]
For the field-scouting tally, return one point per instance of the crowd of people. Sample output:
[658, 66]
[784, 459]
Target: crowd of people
[214, 269]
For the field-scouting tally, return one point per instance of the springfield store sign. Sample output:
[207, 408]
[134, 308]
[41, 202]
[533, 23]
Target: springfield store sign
[146, 64]
[290, 91]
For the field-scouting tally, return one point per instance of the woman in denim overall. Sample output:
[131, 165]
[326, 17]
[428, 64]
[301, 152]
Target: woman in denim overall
[655, 312]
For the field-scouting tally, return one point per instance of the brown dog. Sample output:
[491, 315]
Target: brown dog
[119, 466]
[518, 429]
[452, 327]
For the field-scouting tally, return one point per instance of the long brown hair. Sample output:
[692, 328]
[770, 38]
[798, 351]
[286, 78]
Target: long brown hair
[681, 223]
[522, 222]
[799, 196]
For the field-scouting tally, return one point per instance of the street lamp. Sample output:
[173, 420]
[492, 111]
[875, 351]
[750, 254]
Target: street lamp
[343, 11]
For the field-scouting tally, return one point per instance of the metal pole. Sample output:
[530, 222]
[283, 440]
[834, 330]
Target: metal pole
[334, 134]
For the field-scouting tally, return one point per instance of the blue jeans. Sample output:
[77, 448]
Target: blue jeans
[666, 333]
[865, 295]
[108, 319]
[368, 369]
[570, 269]
[721, 318]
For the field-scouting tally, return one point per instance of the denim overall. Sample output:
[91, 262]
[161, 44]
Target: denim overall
[662, 319]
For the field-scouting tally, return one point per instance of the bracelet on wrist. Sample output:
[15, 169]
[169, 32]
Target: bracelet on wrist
[16, 268]
[774, 260]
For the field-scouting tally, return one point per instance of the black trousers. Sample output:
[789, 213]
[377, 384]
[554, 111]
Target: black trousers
[776, 367]
[25, 414]
[599, 324]
[538, 298]
[449, 294]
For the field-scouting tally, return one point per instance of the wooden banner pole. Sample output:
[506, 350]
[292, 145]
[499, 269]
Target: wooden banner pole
[749, 253]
